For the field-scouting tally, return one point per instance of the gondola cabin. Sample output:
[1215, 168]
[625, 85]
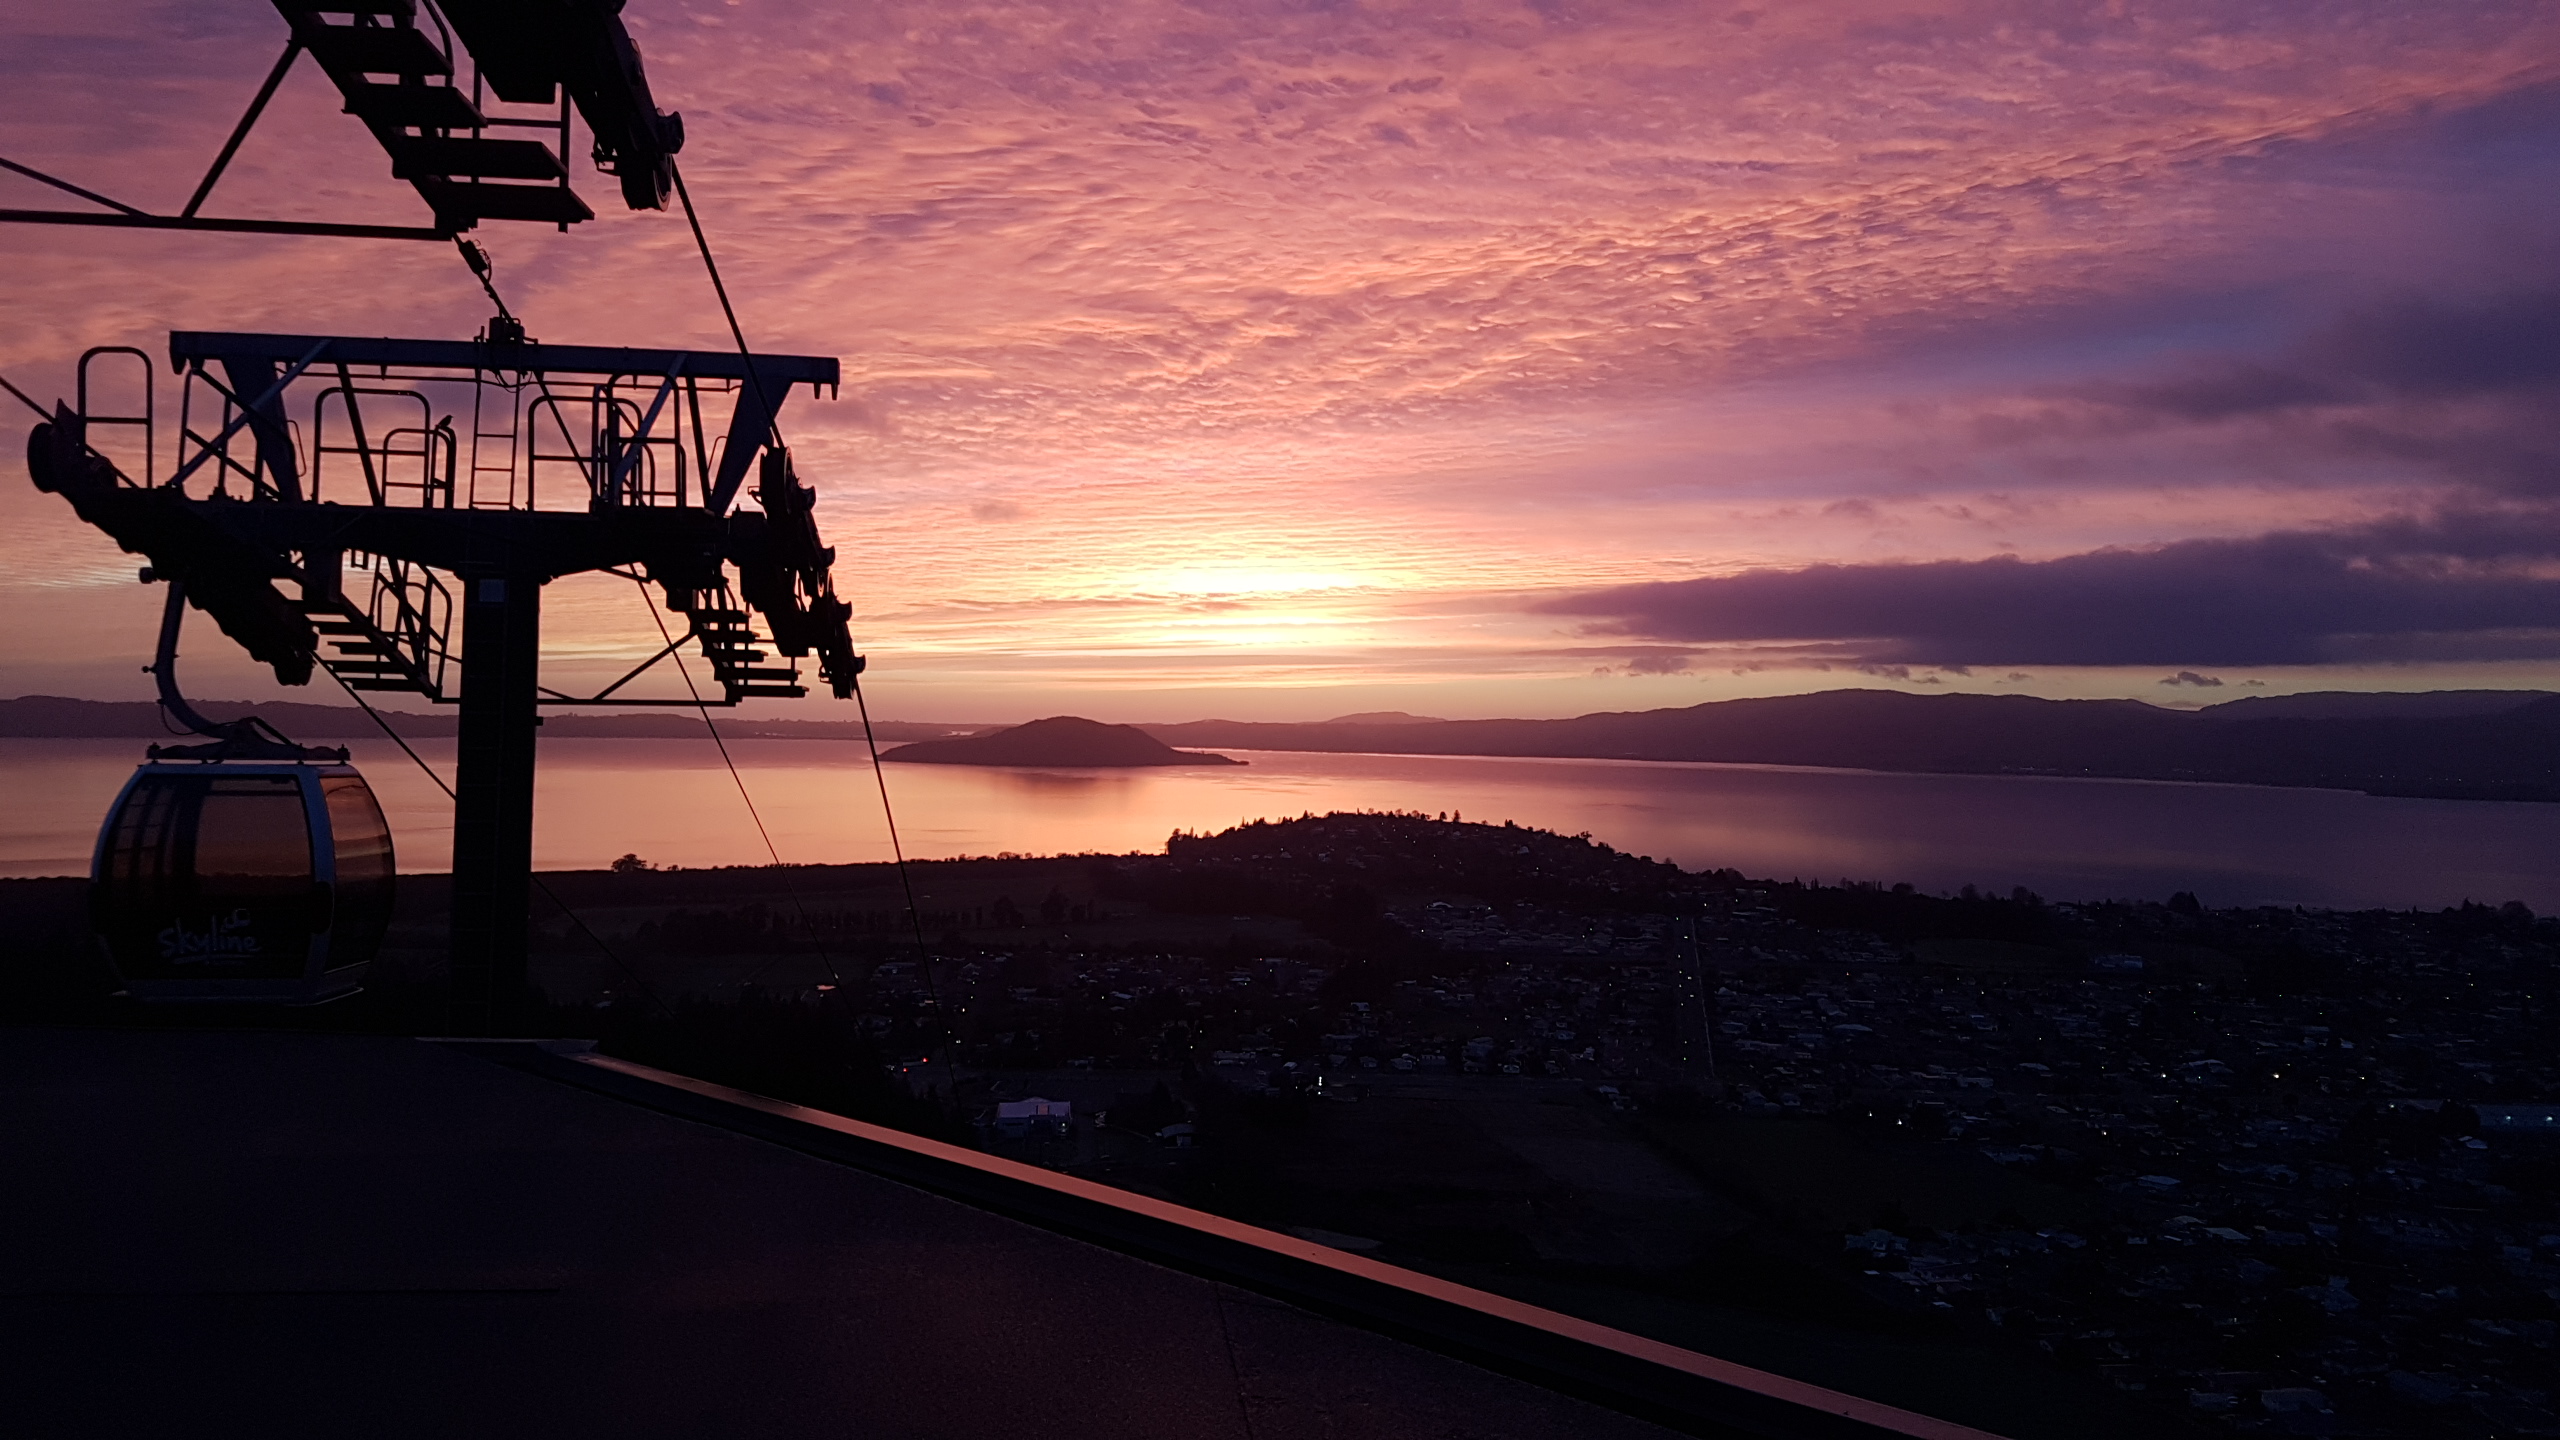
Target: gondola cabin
[242, 881]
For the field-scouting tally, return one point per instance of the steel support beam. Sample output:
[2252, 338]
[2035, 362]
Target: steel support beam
[240, 132]
[681, 547]
[776, 372]
[218, 226]
[493, 797]
[257, 377]
[750, 426]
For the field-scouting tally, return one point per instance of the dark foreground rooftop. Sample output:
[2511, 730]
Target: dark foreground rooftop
[298, 1234]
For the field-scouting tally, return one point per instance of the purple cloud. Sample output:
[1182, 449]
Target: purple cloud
[2470, 586]
[2467, 387]
[1451, 298]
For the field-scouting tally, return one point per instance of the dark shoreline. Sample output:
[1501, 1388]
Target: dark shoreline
[2505, 747]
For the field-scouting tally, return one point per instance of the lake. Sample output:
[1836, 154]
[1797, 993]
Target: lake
[672, 803]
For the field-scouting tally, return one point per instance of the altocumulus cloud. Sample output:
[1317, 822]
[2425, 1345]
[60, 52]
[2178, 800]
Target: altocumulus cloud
[2466, 387]
[2476, 585]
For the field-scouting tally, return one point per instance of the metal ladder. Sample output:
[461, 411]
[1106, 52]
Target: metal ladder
[435, 131]
[731, 644]
[494, 452]
[399, 640]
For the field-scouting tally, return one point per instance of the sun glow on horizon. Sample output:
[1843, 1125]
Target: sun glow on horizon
[1294, 349]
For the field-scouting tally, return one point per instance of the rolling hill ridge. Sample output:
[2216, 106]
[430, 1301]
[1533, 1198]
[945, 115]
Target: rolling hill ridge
[2487, 745]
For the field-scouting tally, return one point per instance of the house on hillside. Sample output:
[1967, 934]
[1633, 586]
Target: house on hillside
[1020, 1119]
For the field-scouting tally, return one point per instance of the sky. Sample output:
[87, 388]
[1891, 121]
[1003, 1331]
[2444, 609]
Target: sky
[1277, 361]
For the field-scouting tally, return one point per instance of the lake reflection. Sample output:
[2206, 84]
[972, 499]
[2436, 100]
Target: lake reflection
[672, 802]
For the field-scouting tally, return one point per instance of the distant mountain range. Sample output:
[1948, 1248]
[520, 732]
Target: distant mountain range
[2452, 744]
[1067, 740]
[2375, 705]
[2457, 744]
[1385, 717]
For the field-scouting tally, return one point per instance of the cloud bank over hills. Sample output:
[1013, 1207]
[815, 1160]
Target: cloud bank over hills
[2475, 586]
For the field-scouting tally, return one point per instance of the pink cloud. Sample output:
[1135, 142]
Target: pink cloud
[1458, 300]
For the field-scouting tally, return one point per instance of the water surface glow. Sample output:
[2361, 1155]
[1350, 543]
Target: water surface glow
[672, 802]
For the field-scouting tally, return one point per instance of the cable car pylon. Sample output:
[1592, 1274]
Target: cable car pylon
[389, 511]
[618, 472]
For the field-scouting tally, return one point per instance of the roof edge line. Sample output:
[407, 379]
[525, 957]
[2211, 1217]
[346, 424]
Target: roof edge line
[1641, 1377]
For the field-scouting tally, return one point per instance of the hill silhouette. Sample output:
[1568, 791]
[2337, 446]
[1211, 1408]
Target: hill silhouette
[2375, 704]
[2446, 744]
[1058, 740]
[1384, 717]
[2465, 748]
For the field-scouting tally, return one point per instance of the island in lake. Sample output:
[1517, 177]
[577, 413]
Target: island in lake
[1058, 740]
